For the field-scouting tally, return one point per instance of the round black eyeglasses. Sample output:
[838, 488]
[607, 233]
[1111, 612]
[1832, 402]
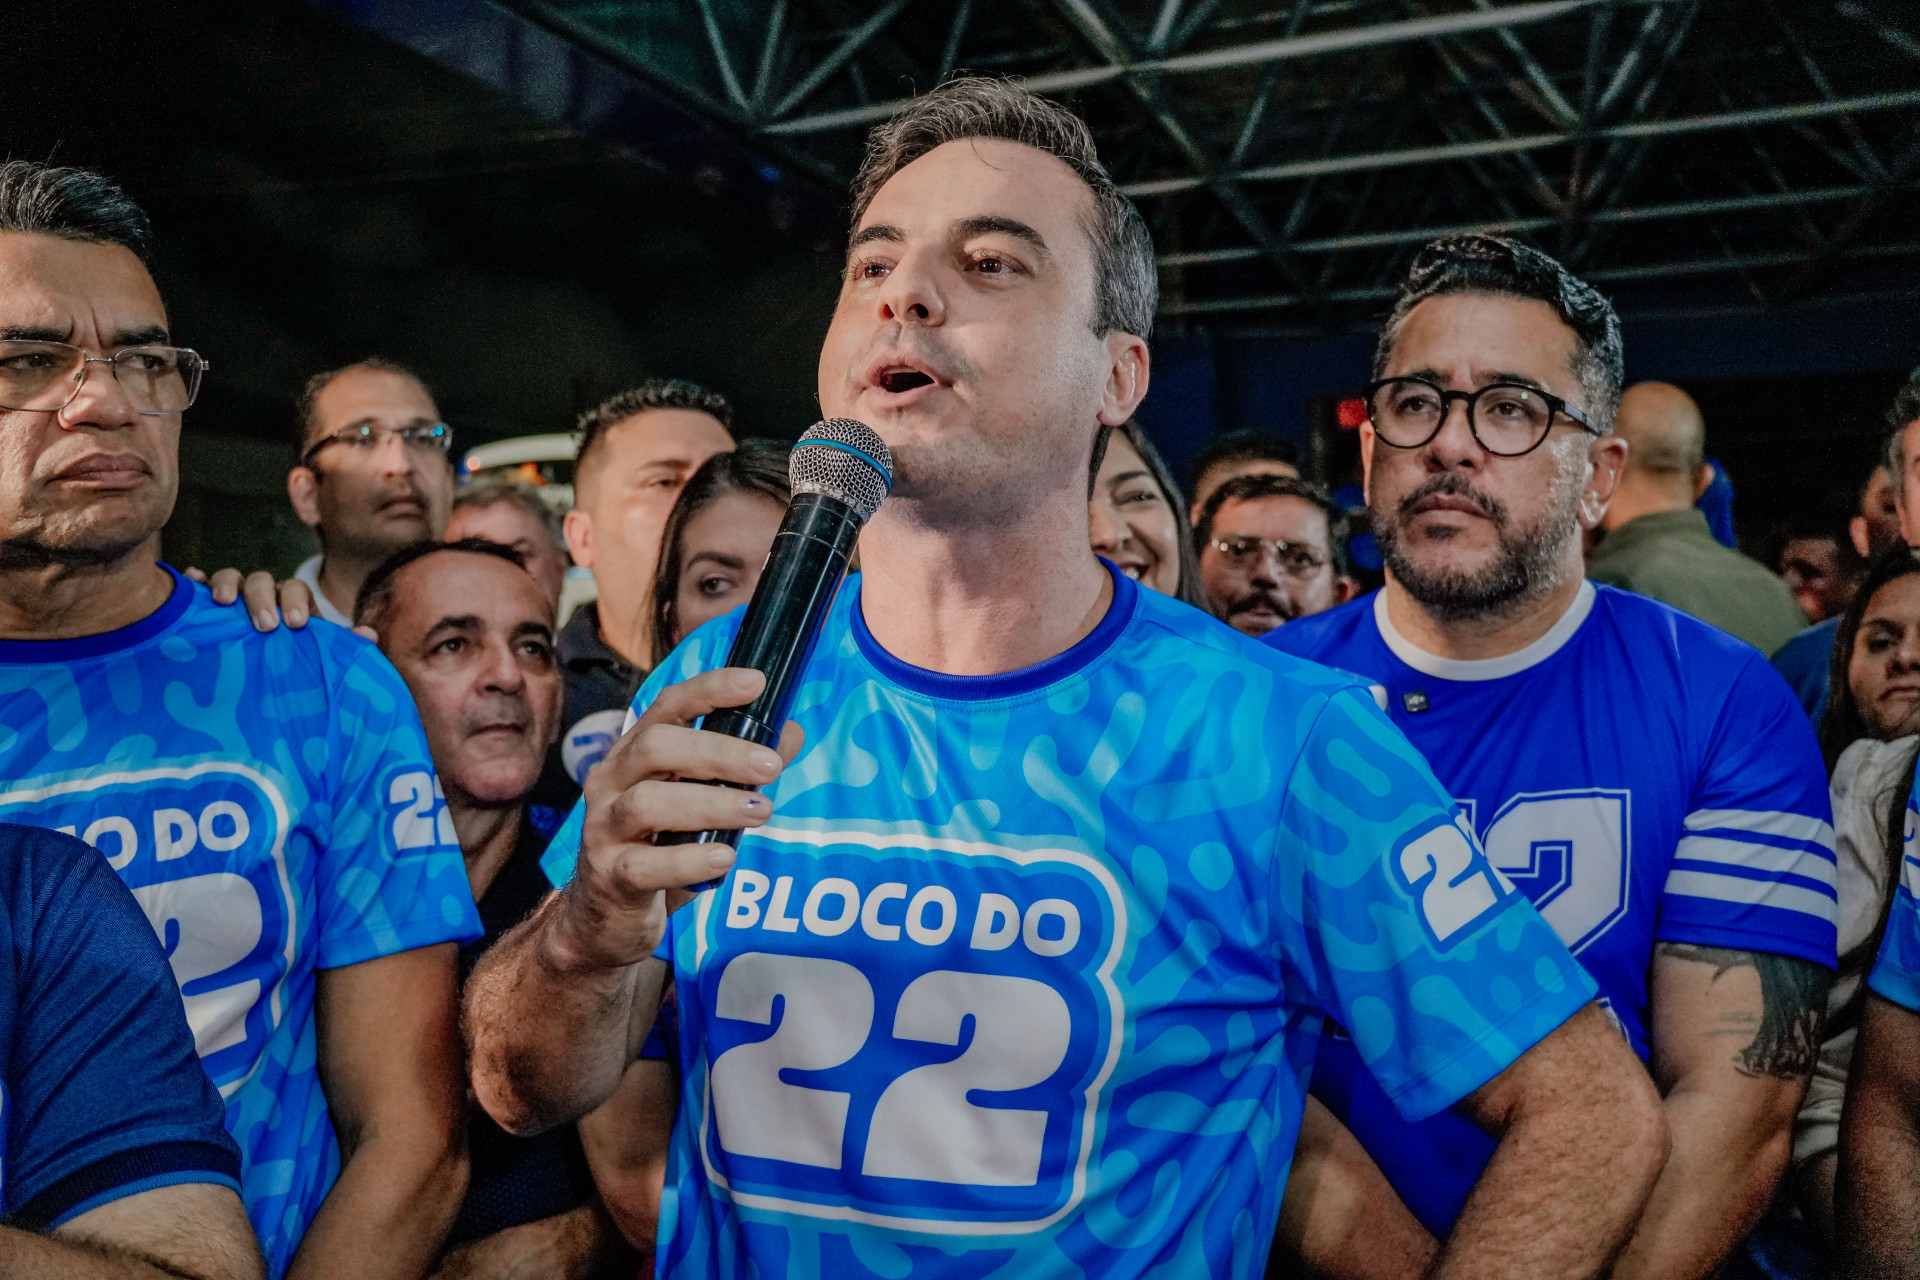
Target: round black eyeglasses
[1506, 418]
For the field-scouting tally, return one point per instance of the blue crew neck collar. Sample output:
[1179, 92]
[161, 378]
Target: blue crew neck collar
[76, 648]
[1006, 684]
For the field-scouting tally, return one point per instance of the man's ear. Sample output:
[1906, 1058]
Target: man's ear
[1607, 458]
[303, 489]
[577, 529]
[1857, 534]
[1366, 462]
[1703, 480]
[1344, 589]
[1127, 377]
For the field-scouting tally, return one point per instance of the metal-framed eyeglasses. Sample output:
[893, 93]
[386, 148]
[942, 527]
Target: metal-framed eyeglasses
[1508, 419]
[428, 437]
[46, 377]
[1296, 560]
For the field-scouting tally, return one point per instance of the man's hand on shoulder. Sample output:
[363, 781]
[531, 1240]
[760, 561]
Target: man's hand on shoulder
[659, 778]
[268, 603]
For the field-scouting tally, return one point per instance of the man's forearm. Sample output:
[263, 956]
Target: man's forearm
[575, 1245]
[1582, 1142]
[551, 1031]
[388, 1216]
[1877, 1199]
[26, 1256]
[1717, 1183]
[1342, 1219]
[1549, 1205]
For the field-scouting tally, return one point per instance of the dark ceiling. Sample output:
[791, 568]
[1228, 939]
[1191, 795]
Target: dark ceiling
[1291, 155]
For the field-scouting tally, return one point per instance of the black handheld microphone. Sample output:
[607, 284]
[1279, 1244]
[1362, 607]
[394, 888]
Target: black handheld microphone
[840, 472]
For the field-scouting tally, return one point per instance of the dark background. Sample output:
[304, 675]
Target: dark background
[320, 193]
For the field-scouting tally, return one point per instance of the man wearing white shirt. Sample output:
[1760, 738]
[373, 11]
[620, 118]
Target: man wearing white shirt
[373, 476]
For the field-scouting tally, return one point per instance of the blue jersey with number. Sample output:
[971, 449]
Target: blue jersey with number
[1025, 977]
[1641, 776]
[270, 801]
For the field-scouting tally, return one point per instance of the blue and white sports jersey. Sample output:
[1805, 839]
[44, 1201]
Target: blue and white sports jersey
[1641, 776]
[271, 803]
[1896, 973]
[1025, 977]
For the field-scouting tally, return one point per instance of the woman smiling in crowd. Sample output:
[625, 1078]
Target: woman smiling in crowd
[1139, 518]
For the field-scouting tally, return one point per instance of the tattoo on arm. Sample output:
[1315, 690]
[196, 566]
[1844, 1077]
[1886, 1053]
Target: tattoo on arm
[1793, 1003]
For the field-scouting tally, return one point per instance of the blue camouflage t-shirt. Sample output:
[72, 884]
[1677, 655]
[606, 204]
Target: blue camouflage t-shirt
[1025, 977]
[271, 803]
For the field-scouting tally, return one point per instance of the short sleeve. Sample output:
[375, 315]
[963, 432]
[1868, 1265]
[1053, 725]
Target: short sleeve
[1754, 869]
[1407, 935]
[391, 877]
[104, 1094]
[1896, 974]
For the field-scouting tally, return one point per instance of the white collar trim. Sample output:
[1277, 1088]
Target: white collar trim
[1507, 664]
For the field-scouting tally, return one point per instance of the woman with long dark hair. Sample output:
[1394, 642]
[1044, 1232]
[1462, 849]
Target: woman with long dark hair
[717, 538]
[1871, 739]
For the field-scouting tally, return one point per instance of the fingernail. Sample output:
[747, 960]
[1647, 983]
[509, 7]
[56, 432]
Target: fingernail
[721, 857]
[755, 804]
[264, 620]
[296, 617]
[767, 762]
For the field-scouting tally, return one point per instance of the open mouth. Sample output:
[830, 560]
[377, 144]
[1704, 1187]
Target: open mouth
[900, 381]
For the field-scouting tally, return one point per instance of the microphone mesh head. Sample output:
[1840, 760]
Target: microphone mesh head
[843, 459]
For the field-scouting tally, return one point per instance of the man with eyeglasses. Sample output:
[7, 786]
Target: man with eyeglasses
[1657, 542]
[1272, 549]
[269, 798]
[373, 476]
[1646, 780]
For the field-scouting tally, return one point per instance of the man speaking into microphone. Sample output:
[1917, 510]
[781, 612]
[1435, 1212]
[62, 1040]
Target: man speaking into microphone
[1023, 959]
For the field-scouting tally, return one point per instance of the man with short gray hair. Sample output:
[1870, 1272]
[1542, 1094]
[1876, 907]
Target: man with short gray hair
[1116, 857]
[269, 799]
[514, 515]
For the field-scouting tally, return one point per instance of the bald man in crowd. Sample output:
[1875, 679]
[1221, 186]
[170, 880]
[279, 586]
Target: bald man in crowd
[1658, 544]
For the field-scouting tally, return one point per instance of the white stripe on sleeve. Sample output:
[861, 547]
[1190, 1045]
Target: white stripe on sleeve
[1764, 893]
[1764, 822]
[1769, 859]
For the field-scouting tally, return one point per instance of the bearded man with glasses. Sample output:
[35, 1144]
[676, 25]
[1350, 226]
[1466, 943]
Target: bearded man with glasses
[268, 798]
[374, 475]
[1648, 781]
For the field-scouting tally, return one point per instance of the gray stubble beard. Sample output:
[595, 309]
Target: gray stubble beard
[1529, 564]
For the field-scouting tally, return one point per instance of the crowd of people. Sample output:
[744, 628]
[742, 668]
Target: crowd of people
[1148, 886]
